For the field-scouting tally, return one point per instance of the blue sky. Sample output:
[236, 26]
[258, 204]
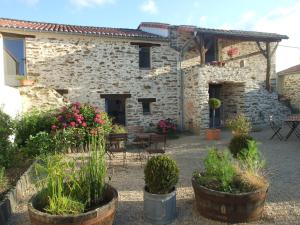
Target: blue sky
[263, 15]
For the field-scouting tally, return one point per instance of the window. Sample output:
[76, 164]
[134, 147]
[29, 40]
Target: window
[14, 56]
[144, 57]
[146, 108]
[146, 104]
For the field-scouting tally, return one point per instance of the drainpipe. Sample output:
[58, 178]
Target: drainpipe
[182, 80]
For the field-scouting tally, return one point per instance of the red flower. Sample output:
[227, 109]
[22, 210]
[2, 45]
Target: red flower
[98, 116]
[84, 124]
[53, 127]
[72, 124]
[64, 125]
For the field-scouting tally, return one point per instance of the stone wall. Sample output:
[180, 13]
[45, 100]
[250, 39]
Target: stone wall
[290, 88]
[241, 92]
[90, 66]
[41, 98]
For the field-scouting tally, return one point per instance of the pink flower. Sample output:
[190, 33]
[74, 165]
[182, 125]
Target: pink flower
[79, 121]
[53, 127]
[63, 109]
[98, 116]
[64, 125]
[68, 115]
[101, 121]
[84, 124]
[72, 124]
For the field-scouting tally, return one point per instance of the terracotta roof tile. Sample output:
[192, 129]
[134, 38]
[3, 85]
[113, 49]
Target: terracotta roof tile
[291, 70]
[74, 29]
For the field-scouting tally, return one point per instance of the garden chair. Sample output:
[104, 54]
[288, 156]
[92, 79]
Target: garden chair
[117, 144]
[276, 128]
[157, 145]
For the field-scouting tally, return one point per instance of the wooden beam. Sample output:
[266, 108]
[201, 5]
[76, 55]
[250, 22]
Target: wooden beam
[145, 44]
[261, 49]
[199, 39]
[14, 35]
[115, 96]
[147, 100]
[268, 72]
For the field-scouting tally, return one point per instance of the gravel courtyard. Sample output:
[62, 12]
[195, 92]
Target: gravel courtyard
[283, 161]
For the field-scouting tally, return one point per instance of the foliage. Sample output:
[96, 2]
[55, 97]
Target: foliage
[93, 172]
[219, 167]
[41, 143]
[239, 124]
[31, 123]
[251, 158]
[214, 103]
[161, 174]
[118, 129]
[68, 190]
[2, 177]
[167, 127]
[6, 148]
[238, 143]
[58, 184]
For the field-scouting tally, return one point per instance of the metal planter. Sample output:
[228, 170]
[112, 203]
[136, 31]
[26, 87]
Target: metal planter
[160, 209]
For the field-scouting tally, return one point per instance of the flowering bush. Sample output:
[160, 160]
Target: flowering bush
[82, 116]
[166, 126]
[232, 52]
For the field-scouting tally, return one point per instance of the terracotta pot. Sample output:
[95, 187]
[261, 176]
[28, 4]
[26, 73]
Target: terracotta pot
[26, 82]
[213, 134]
[228, 207]
[103, 215]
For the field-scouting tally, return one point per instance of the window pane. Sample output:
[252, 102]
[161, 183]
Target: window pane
[14, 55]
[146, 107]
[144, 57]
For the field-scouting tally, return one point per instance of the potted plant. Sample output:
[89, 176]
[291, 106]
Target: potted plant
[161, 176]
[213, 133]
[231, 190]
[239, 125]
[168, 128]
[72, 195]
[24, 81]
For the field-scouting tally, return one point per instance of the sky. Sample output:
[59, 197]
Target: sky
[278, 16]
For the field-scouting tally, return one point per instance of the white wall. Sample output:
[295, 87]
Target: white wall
[10, 98]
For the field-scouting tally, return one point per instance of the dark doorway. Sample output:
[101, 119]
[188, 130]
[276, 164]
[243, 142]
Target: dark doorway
[115, 107]
[215, 92]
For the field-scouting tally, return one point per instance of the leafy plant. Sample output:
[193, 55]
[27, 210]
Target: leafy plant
[219, 169]
[57, 179]
[41, 143]
[161, 174]
[31, 123]
[251, 158]
[2, 177]
[118, 129]
[214, 104]
[67, 189]
[167, 127]
[240, 125]
[6, 147]
[238, 143]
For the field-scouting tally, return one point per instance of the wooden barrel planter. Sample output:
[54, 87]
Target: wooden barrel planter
[102, 215]
[228, 207]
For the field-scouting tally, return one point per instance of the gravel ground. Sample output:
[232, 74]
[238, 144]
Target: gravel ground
[283, 203]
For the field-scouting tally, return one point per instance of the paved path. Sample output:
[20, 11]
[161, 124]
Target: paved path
[283, 161]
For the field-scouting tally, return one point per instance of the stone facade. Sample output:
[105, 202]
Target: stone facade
[240, 93]
[86, 67]
[289, 87]
[90, 66]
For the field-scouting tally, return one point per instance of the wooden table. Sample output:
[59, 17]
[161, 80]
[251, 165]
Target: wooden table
[293, 122]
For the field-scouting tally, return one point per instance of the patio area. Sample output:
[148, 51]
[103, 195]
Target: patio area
[283, 203]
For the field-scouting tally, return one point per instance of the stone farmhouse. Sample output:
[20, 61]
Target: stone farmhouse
[143, 75]
[288, 86]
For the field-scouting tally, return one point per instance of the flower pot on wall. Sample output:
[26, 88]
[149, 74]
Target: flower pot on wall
[26, 82]
[212, 134]
[159, 208]
[229, 207]
[102, 215]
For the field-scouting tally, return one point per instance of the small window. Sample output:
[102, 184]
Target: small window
[14, 56]
[144, 57]
[146, 104]
[146, 108]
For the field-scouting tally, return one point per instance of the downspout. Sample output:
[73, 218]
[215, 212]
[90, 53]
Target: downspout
[182, 80]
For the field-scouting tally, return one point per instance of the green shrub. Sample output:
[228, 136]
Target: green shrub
[238, 143]
[31, 123]
[41, 143]
[251, 158]
[118, 129]
[161, 174]
[219, 171]
[70, 190]
[2, 177]
[6, 147]
[214, 103]
[240, 125]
